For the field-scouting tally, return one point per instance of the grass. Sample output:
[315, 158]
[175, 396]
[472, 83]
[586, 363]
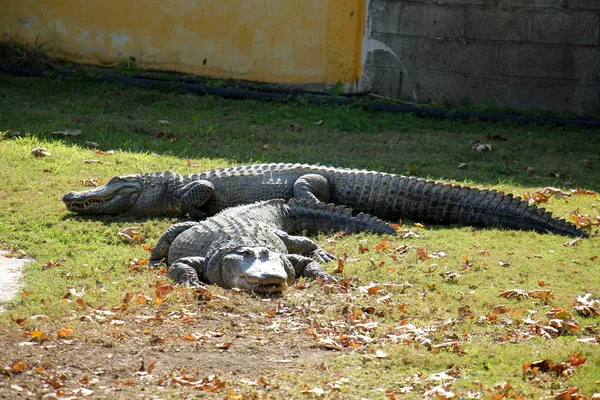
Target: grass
[92, 318]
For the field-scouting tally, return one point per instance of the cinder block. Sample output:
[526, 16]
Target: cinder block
[532, 60]
[385, 82]
[561, 27]
[493, 23]
[419, 19]
[556, 4]
[464, 2]
[427, 54]
[583, 63]
[385, 16]
[566, 96]
[591, 5]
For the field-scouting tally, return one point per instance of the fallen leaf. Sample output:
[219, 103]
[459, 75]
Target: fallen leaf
[497, 137]
[340, 266]
[224, 346]
[374, 289]
[66, 332]
[572, 243]
[93, 162]
[585, 192]
[192, 163]
[164, 122]
[461, 166]
[39, 152]
[382, 245]
[92, 182]
[131, 235]
[422, 253]
[482, 147]
[296, 127]
[18, 366]
[516, 293]
[66, 132]
[37, 334]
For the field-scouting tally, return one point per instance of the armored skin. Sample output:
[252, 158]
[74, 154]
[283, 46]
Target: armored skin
[387, 196]
[252, 247]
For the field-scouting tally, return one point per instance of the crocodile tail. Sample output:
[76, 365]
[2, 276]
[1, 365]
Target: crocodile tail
[313, 216]
[444, 203]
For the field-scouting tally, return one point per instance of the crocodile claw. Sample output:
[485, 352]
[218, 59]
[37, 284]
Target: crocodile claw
[322, 256]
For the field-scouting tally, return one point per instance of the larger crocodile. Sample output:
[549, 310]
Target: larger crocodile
[251, 247]
[386, 195]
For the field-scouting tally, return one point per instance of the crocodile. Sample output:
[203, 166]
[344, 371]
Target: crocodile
[385, 195]
[252, 247]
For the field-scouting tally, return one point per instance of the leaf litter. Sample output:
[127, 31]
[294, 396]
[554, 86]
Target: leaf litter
[370, 320]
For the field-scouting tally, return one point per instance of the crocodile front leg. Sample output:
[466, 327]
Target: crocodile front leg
[188, 271]
[194, 195]
[312, 187]
[308, 268]
[304, 246]
[161, 250]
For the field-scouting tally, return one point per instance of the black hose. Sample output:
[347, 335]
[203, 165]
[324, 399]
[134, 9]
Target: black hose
[315, 98]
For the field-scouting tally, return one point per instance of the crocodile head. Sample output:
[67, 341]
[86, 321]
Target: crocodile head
[115, 197]
[257, 269]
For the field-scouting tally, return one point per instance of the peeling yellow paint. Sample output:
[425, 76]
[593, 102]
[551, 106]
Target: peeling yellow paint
[291, 41]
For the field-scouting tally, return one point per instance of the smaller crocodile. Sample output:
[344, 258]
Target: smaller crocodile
[252, 247]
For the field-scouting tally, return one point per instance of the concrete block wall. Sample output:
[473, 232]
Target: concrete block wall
[519, 53]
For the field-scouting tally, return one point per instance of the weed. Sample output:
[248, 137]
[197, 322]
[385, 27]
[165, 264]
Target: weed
[129, 67]
[25, 55]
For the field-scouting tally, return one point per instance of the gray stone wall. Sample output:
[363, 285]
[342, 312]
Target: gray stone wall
[519, 53]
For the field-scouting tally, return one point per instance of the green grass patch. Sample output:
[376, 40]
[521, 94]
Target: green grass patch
[422, 314]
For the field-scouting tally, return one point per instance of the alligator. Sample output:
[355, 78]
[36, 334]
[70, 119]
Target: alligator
[385, 195]
[252, 247]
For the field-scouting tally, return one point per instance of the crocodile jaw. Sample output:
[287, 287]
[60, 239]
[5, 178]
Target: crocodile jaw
[256, 269]
[116, 197]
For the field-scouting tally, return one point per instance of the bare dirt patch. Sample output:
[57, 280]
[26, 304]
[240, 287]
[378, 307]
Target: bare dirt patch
[229, 346]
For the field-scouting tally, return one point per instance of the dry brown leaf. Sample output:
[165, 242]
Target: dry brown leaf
[18, 366]
[131, 235]
[92, 182]
[382, 245]
[296, 127]
[340, 266]
[66, 332]
[422, 253]
[164, 122]
[374, 289]
[192, 163]
[516, 293]
[579, 192]
[224, 346]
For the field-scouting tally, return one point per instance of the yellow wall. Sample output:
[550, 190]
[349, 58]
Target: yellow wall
[288, 41]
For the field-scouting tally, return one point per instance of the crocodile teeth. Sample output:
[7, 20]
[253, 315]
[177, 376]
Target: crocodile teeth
[84, 205]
